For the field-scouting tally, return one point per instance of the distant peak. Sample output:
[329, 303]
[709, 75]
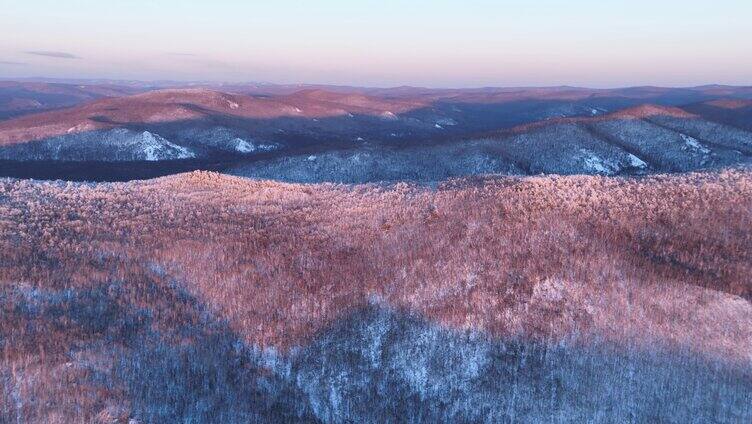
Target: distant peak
[730, 103]
[321, 94]
[199, 90]
[649, 110]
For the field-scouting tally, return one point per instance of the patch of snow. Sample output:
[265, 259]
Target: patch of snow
[389, 116]
[80, 127]
[360, 139]
[250, 146]
[154, 148]
[243, 146]
[594, 111]
[392, 135]
[232, 104]
[350, 115]
[595, 163]
[437, 126]
[312, 157]
[693, 144]
[636, 162]
[446, 122]
[267, 147]
[297, 110]
[315, 120]
[183, 153]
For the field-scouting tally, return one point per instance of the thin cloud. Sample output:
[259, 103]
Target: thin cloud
[8, 62]
[57, 55]
[182, 54]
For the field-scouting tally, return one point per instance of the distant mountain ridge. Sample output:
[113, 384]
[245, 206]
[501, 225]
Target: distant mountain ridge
[369, 135]
[20, 98]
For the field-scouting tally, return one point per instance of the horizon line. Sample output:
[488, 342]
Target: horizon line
[115, 81]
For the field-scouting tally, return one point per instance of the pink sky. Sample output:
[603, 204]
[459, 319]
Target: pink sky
[429, 43]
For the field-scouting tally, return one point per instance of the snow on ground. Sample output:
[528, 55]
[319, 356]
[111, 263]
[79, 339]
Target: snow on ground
[596, 164]
[267, 147]
[243, 146]
[636, 162]
[79, 128]
[446, 122]
[389, 116]
[153, 147]
[693, 144]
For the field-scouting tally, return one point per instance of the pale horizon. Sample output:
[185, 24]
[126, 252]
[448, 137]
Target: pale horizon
[440, 44]
[167, 83]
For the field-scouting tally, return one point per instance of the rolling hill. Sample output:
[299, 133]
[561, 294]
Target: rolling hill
[471, 288]
[205, 297]
[369, 135]
[25, 97]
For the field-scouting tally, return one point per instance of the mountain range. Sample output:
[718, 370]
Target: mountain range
[348, 134]
[254, 253]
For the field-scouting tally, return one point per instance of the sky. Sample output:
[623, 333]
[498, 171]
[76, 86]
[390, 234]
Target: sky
[438, 43]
